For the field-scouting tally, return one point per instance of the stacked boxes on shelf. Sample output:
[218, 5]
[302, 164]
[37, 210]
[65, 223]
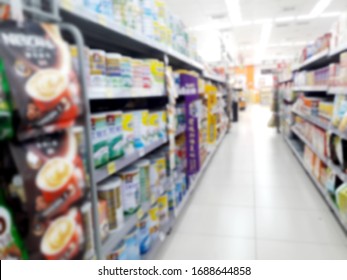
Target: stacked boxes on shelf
[338, 72]
[149, 18]
[119, 134]
[112, 75]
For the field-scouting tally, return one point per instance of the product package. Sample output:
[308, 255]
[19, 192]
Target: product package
[119, 253]
[154, 128]
[144, 235]
[130, 190]
[6, 128]
[128, 133]
[110, 191]
[100, 138]
[163, 206]
[145, 186]
[115, 135]
[341, 200]
[44, 85]
[154, 222]
[54, 173]
[97, 63]
[11, 244]
[103, 220]
[141, 129]
[132, 246]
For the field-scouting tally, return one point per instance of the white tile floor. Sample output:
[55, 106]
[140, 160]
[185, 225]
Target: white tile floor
[255, 202]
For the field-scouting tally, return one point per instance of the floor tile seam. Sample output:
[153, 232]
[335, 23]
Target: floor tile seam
[335, 244]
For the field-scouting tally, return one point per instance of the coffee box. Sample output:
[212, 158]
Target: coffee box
[45, 88]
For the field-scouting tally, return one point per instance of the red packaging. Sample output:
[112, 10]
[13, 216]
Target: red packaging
[44, 86]
[53, 173]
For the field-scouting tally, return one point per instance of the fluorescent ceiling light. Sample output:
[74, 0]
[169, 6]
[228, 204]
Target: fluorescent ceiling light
[234, 10]
[304, 17]
[331, 14]
[320, 7]
[244, 23]
[262, 21]
[285, 19]
[264, 39]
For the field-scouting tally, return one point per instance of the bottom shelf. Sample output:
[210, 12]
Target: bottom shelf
[151, 255]
[297, 151]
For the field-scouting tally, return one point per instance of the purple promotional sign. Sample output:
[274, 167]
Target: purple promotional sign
[188, 84]
[192, 134]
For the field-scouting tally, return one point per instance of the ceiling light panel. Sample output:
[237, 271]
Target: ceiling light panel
[320, 7]
[234, 10]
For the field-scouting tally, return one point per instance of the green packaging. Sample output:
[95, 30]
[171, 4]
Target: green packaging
[145, 186]
[100, 140]
[6, 129]
[115, 135]
[11, 245]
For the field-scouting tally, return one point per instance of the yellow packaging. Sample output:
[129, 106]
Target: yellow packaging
[154, 221]
[163, 205]
[154, 129]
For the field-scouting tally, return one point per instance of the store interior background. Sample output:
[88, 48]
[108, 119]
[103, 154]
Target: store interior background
[237, 150]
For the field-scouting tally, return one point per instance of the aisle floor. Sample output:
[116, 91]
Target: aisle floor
[255, 202]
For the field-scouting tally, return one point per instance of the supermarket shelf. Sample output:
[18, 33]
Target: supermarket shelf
[286, 80]
[311, 88]
[130, 222]
[114, 166]
[338, 50]
[180, 130]
[318, 185]
[103, 31]
[307, 143]
[314, 61]
[116, 236]
[338, 132]
[312, 119]
[164, 231]
[215, 78]
[335, 168]
[198, 177]
[337, 90]
[108, 93]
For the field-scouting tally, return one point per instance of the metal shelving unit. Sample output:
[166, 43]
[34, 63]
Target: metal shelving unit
[337, 90]
[312, 119]
[115, 166]
[311, 88]
[104, 32]
[314, 61]
[317, 184]
[98, 31]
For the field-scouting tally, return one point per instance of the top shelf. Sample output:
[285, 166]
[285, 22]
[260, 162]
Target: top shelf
[321, 59]
[102, 32]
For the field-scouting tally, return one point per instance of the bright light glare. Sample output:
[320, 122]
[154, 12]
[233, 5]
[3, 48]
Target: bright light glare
[234, 10]
[285, 19]
[320, 7]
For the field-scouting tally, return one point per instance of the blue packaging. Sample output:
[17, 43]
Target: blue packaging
[132, 247]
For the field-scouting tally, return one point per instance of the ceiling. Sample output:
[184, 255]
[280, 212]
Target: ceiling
[291, 28]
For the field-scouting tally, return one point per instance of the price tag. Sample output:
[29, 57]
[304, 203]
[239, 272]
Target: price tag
[140, 213]
[111, 168]
[102, 20]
